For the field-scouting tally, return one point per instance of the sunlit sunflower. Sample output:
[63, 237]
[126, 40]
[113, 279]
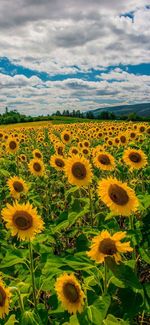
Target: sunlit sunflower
[118, 196]
[105, 245]
[69, 292]
[104, 161]
[23, 158]
[37, 154]
[135, 158]
[58, 162]
[85, 151]
[73, 151]
[36, 167]
[65, 136]
[78, 171]
[17, 187]
[11, 145]
[5, 296]
[22, 220]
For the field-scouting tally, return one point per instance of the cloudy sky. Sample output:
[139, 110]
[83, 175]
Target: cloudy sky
[73, 54]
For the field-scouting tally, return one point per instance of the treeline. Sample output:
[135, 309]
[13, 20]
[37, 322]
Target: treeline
[104, 115]
[11, 117]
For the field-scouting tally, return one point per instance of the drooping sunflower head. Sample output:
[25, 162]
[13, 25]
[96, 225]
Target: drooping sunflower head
[118, 196]
[136, 159]
[69, 292]
[37, 154]
[58, 162]
[5, 296]
[104, 161]
[11, 145]
[104, 245]
[78, 171]
[36, 167]
[17, 187]
[22, 220]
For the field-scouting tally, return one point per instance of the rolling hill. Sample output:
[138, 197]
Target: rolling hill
[140, 109]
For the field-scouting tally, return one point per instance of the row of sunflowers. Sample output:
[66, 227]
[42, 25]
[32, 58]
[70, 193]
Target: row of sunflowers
[75, 201]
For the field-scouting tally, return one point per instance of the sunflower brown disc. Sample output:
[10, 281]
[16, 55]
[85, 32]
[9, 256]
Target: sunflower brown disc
[75, 151]
[85, 151]
[23, 220]
[123, 139]
[135, 157]
[107, 246]
[38, 155]
[104, 159]
[37, 167]
[118, 195]
[66, 137]
[59, 162]
[60, 151]
[132, 135]
[71, 292]
[79, 170]
[142, 128]
[18, 186]
[12, 145]
[2, 297]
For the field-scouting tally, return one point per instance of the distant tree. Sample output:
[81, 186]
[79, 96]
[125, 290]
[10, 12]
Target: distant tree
[58, 113]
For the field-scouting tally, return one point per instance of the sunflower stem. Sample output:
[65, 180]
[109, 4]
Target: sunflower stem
[91, 206]
[105, 277]
[32, 274]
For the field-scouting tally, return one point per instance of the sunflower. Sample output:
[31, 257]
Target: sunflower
[73, 151]
[22, 220]
[118, 196]
[17, 187]
[65, 136]
[11, 145]
[135, 158]
[78, 171]
[69, 292]
[37, 154]
[5, 296]
[23, 158]
[105, 245]
[104, 161]
[36, 167]
[57, 162]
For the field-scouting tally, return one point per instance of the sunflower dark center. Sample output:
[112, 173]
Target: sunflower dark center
[37, 167]
[123, 139]
[59, 162]
[75, 151]
[38, 155]
[79, 170]
[60, 150]
[118, 195]
[104, 159]
[132, 135]
[18, 186]
[12, 145]
[86, 144]
[135, 157]
[71, 292]
[66, 137]
[2, 297]
[107, 247]
[142, 128]
[85, 151]
[23, 220]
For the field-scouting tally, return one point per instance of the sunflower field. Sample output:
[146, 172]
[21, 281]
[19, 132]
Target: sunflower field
[74, 224]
